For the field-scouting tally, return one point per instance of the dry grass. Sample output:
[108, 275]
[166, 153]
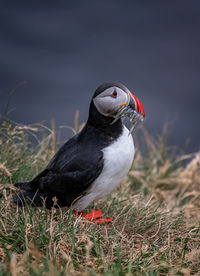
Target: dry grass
[156, 227]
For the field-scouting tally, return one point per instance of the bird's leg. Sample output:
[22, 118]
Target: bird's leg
[93, 216]
[103, 220]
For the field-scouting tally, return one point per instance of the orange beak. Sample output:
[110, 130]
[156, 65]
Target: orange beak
[135, 104]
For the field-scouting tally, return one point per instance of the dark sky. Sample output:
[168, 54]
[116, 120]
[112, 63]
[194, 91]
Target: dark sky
[65, 49]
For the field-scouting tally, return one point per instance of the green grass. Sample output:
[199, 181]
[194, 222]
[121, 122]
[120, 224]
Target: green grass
[155, 210]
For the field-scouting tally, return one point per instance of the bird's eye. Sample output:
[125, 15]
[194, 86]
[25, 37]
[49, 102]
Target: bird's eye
[114, 94]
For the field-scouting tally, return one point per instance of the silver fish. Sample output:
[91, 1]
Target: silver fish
[126, 112]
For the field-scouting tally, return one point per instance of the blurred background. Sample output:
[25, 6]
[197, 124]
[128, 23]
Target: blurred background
[64, 49]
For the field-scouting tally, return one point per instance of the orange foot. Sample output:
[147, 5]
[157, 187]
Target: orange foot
[94, 216]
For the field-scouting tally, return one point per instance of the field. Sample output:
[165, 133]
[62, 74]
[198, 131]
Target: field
[155, 211]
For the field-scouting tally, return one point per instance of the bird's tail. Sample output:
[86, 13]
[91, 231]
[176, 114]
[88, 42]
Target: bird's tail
[28, 196]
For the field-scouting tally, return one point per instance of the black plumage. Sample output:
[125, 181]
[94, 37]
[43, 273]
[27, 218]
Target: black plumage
[76, 165]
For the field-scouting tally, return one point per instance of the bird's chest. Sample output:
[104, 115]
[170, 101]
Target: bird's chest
[118, 158]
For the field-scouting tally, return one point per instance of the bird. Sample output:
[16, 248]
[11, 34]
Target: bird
[90, 164]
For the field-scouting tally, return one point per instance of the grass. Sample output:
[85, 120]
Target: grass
[156, 211]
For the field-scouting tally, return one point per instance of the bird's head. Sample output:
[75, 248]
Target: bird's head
[114, 101]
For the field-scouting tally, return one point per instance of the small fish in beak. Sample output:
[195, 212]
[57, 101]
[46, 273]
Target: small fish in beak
[132, 115]
[133, 111]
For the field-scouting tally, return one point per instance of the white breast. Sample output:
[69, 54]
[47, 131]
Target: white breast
[118, 158]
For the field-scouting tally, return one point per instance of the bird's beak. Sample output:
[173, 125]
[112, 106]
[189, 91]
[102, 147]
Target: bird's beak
[136, 105]
[132, 110]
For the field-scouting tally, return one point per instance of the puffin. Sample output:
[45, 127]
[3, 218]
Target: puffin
[93, 162]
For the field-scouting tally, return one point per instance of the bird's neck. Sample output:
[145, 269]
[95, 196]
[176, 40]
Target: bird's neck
[103, 124]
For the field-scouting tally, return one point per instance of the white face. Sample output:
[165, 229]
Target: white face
[110, 100]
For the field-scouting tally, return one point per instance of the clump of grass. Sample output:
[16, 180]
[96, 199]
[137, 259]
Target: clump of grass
[172, 178]
[156, 223]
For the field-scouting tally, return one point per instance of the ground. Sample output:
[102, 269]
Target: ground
[155, 210]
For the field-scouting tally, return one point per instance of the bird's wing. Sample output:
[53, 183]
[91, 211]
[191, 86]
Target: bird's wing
[74, 178]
